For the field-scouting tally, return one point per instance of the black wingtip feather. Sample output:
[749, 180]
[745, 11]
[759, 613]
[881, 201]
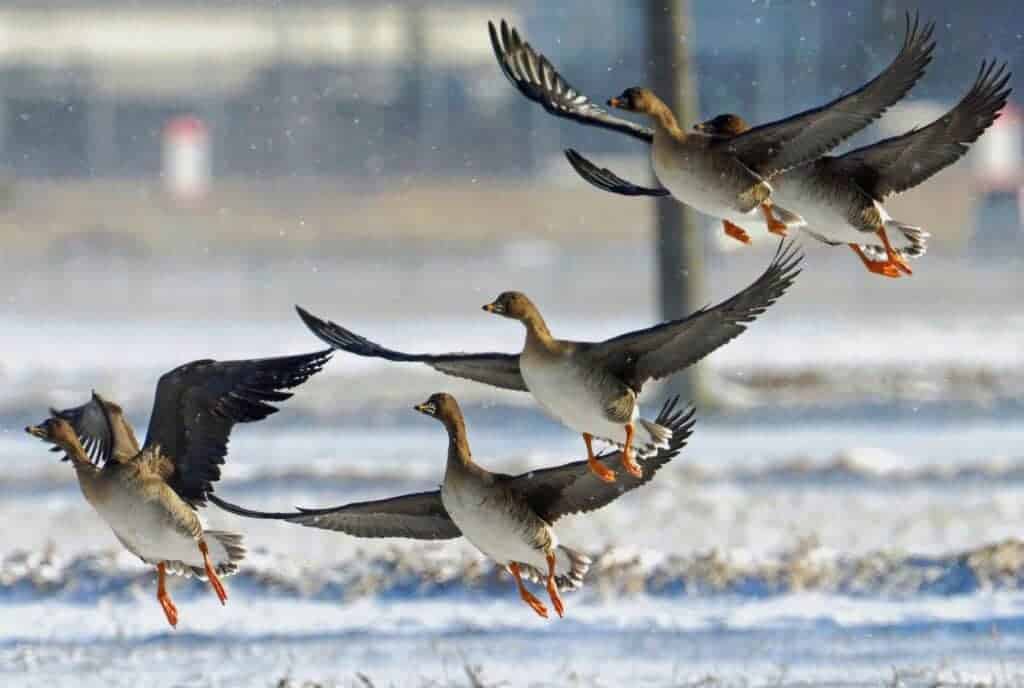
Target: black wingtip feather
[249, 513]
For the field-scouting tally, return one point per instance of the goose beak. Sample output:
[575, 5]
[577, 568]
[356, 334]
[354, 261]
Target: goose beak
[495, 307]
[616, 102]
[701, 127]
[427, 408]
[36, 431]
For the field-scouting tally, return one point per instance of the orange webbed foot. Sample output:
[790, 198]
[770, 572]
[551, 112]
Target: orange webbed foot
[885, 268]
[211, 574]
[775, 226]
[524, 594]
[631, 466]
[170, 611]
[737, 233]
[599, 469]
[556, 599]
[895, 258]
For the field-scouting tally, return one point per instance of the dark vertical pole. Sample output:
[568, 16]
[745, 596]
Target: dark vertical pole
[680, 244]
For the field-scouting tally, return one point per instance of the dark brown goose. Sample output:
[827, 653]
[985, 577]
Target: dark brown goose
[149, 495]
[725, 179]
[592, 387]
[508, 518]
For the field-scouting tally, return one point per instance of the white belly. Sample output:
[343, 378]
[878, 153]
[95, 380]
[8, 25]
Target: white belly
[493, 531]
[562, 391]
[824, 218]
[147, 529]
[701, 185]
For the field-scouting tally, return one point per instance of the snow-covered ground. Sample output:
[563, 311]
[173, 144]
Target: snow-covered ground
[849, 519]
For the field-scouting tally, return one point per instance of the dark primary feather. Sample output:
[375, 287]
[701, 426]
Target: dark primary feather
[636, 357]
[536, 78]
[552, 493]
[92, 424]
[902, 162]
[574, 488]
[780, 145]
[497, 369]
[419, 516]
[606, 180]
[197, 404]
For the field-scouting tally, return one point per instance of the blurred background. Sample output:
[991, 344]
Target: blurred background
[175, 175]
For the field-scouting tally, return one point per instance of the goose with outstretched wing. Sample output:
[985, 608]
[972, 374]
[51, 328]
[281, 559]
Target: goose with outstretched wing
[593, 387]
[148, 495]
[508, 518]
[725, 178]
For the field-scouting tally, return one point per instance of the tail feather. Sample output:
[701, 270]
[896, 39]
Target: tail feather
[226, 551]
[570, 568]
[788, 217]
[650, 437]
[914, 243]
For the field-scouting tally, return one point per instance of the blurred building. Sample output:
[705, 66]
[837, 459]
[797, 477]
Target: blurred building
[366, 89]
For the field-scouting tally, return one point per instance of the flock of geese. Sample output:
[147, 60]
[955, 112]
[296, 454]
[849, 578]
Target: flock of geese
[149, 494]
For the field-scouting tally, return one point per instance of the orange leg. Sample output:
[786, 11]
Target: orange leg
[525, 594]
[774, 225]
[894, 258]
[170, 611]
[600, 470]
[556, 599]
[211, 574]
[627, 455]
[735, 232]
[877, 267]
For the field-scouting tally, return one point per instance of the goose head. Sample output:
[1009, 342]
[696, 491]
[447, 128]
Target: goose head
[58, 432]
[637, 99]
[512, 304]
[725, 125]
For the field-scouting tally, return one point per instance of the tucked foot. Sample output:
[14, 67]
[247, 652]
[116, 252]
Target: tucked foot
[599, 469]
[525, 594]
[885, 268]
[775, 226]
[170, 611]
[211, 574]
[556, 599]
[737, 233]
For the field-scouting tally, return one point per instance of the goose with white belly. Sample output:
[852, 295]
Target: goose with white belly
[841, 196]
[148, 495]
[508, 518]
[592, 387]
[731, 180]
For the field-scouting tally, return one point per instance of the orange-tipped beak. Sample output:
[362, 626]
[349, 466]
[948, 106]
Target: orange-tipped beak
[615, 102]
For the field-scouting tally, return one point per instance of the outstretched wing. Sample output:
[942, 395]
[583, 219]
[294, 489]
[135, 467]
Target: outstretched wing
[902, 162]
[419, 516]
[573, 488]
[606, 180]
[499, 370]
[536, 78]
[777, 146]
[661, 350]
[198, 403]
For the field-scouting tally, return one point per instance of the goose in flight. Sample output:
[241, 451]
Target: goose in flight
[508, 518]
[593, 387]
[148, 495]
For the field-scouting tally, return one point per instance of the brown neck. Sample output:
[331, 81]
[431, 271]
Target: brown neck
[537, 332]
[661, 114]
[458, 444]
